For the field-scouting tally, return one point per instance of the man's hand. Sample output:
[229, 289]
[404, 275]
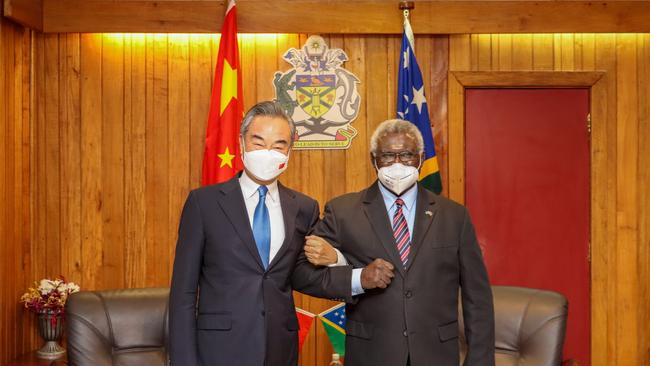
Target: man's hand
[377, 274]
[319, 252]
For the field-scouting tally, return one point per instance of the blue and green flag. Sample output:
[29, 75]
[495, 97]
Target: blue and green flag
[333, 320]
[412, 106]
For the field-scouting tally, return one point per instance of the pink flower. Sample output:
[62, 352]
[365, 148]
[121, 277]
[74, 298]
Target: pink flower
[48, 295]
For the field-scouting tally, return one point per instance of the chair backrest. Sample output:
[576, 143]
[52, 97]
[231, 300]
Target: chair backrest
[119, 327]
[530, 326]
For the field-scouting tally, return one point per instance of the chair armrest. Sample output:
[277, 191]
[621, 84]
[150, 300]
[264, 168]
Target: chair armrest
[570, 362]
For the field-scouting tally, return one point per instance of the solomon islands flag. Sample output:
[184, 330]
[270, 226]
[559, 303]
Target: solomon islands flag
[412, 106]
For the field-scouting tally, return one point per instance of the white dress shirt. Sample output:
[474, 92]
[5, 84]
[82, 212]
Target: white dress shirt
[251, 198]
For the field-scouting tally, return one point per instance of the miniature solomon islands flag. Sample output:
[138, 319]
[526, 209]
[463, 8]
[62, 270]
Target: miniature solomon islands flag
[333, 320]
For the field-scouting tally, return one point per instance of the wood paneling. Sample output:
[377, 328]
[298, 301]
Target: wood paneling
[643, 69]
[119, 124]
[619, 203]
[338, 16]
[627, 150]
[102, 138]
[26, 12]
[16, 265]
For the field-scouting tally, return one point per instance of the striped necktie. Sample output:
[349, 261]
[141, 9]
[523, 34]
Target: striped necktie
[401, 233]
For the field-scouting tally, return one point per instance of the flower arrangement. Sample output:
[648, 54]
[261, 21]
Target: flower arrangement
[48, 296]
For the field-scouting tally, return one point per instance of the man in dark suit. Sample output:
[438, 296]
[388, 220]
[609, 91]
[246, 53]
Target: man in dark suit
[431, 243]
[238, 246]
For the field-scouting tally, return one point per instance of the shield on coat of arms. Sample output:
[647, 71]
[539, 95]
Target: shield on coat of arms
[320, 95]
[315, 93]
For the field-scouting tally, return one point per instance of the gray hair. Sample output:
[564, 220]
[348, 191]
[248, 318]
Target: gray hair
[392, 126]
[267, 108]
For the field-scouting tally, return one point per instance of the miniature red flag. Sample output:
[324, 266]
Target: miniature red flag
[305, 320]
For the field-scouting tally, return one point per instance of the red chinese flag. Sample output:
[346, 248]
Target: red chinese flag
[305, 320]
[221, 158]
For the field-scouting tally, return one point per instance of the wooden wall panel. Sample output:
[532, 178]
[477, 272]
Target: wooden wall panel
[179, 133]
[134, 158]
[620, 274]
[70, 136]
[119, 124]
[104, 138]
[604, 282]
[16, 253]
[349, 17]
[112, 163]
[626, 264]
[91, 173]
[643, 67]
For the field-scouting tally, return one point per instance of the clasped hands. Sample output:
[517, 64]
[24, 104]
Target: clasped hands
[377, 274]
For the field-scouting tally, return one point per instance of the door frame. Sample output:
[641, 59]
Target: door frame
[602, 169]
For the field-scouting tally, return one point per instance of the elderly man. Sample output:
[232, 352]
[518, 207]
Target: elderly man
[238, 246]
[431, 243]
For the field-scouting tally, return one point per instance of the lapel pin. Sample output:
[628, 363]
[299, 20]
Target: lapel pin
[428, 213]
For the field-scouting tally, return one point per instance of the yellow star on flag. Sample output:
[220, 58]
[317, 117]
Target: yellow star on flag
[228, 85]
[226, 158]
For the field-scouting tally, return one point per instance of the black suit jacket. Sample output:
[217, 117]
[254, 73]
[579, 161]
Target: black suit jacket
[244, 315]
[416, 316]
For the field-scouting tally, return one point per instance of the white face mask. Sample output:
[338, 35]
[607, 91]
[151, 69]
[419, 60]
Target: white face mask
[398, 177]
[264, 164]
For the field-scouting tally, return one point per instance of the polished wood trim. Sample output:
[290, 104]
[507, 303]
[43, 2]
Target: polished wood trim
[339, 16]
[456, 140]
[603, 166]
[532, 79]
[26, 12]
[459, 80]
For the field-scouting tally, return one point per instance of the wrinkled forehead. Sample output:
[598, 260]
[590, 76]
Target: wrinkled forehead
[268, 126]
[397, 141]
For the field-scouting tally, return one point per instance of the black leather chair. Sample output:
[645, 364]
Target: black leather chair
[129, 327]
[120, 327]
[530, 326]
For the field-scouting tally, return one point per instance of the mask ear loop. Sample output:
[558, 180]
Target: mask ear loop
[286, 163]
[419, 166]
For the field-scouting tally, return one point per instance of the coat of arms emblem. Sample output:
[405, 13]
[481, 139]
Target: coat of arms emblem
[320, 95]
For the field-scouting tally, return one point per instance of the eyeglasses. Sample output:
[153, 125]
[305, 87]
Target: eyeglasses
[389, 157]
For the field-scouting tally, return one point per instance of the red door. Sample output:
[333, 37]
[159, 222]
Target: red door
[527, 189]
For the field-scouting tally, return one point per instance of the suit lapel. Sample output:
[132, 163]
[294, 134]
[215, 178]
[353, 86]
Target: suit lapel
[232, 202]
[425, 212]
[375, 210]
[289, 213]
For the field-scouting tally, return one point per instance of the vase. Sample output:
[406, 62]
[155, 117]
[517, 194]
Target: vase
[50, 328]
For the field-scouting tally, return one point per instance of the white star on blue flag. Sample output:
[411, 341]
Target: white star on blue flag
[411, 102]
[336, 316]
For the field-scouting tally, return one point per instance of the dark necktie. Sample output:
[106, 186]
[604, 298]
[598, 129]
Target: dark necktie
[401, 233]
